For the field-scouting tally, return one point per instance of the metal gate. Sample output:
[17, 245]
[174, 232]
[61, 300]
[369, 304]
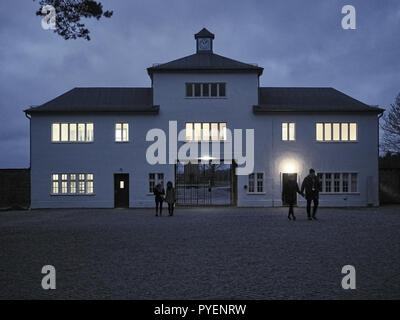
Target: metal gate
[198, 184]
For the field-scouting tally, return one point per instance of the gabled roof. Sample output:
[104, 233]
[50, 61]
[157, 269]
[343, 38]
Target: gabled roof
[279, 99]
[138, 100]
[205, 62]
[204, 33]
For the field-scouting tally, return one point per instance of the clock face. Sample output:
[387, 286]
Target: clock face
[205, 44]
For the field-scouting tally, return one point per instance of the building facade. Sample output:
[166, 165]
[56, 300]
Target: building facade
[90, 147]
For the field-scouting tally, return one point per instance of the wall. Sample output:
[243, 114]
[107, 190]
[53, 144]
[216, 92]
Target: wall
[14, 188]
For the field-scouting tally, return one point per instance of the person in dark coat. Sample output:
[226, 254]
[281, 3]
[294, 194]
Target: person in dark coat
[312, 186]
[290, 189]
[159, 197]
[170, 198]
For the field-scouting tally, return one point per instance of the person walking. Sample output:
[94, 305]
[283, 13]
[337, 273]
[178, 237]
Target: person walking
[159, 197]
[290, 190]
[312, 187]
[170, 198]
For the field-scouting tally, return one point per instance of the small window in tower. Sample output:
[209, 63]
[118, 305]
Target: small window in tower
[222, 91]
[214, 89]
[197, 89]
[189, 90]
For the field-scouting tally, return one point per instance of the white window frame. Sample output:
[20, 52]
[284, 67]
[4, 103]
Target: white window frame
[60, 124]
[288, 131]
[332, 182]
[341, 124]
[157, 179]
[209, 90]
[255, 183]
[72, 185]
[221, 135]
[122, 132]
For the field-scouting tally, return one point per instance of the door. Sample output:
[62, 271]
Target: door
[121, 190]
[286, 197]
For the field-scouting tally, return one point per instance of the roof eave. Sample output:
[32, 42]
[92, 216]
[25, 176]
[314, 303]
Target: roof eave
[257, 109]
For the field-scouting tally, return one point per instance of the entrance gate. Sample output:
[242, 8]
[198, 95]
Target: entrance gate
[202, 184]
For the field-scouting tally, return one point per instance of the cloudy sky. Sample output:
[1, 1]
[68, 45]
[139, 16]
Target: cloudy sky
[299, 43]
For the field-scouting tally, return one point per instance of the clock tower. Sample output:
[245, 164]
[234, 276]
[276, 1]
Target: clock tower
[204, 41]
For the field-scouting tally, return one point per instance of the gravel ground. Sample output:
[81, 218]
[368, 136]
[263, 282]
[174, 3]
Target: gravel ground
[200, 253]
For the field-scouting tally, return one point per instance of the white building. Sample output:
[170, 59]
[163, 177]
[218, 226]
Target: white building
[88, 146]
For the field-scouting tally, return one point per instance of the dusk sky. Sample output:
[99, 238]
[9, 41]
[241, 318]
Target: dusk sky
[298, 43]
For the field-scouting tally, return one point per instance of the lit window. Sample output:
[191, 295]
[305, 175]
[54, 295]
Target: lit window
[81, 132]
[72, 132]
[288, 131]
[345, 131]
[222, 131]
[55, 132]
[336, 131]
[122, 132]
[55, 183]
[214, 131]
[353, 131]
[206, 131]
[89, 132]
[320, 132]
[197, 131]
[284, 131]
[189, 131]
[328, 132]
[64, 132]
[72, 183]
[122, 184]
[67, 183]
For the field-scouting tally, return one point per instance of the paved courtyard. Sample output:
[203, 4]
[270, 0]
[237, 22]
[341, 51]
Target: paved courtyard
[201, 253]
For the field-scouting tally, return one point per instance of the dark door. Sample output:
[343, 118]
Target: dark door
[286, 177]
[121, 190]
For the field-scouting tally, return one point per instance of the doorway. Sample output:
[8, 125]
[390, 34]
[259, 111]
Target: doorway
[121, 190]
[199, 184]
[287, 177]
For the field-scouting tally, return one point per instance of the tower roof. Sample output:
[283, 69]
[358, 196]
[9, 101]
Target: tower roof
[204, 33]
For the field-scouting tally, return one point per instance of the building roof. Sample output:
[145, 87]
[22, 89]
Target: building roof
[205, 62]
[204, 33]
[279, 99]
[137, 100]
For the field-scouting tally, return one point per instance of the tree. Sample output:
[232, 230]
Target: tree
[69, 14]
[391, 128]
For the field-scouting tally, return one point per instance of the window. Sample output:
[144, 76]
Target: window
[55, 184]
[339, 182]
[256, 183]
[336, 132]
[64, 183]
[72, 132]
[206, 131]
[205, 90]
[155, 179]
[251, 182]
[260, 182]
[122, 132]
[55, 132]
[328, 182]
[288, 131]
